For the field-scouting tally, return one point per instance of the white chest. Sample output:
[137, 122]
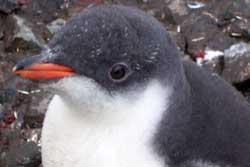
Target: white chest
[101, 139]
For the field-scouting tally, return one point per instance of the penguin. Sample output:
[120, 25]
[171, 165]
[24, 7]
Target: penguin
[124, 97]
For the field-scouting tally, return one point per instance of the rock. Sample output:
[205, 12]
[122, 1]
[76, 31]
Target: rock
[163, 14]
[23, 153]
[220, 41]
[179, 10]
[24, 31]
[233, 17]
[43, 10]
[195, 5]
[239, 28]
[8, 29]
[234, 66]
[1, 112]
[216, 25]
[26, 34]
[179, 39]
[126, 2]
[178, 7]
[239, 7]
[22, 133]
[1, 29]
[8, 6]
[202, 31]
[33, 120]
[7, 95]
[224, 8]
[21, 36]
[23, 2]
[56, 25]
[237, 63]
[2, 78]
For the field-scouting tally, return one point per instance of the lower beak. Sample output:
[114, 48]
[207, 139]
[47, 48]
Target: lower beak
[43, 71]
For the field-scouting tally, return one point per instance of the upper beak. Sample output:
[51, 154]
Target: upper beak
[34, 69]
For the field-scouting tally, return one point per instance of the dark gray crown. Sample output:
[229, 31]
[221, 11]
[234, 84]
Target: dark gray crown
[99, 37]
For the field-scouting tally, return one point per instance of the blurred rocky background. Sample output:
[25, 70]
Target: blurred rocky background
[213, 33]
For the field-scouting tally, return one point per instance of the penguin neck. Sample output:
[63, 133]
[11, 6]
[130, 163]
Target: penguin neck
[125, 129]
[181, 95]
[150, 103]
[175, 124]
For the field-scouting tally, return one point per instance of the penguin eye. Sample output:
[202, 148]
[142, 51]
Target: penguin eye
[118, 72]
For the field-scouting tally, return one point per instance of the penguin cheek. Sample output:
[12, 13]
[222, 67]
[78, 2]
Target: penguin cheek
[83, 94]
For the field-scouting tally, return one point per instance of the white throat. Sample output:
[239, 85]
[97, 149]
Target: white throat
[119, 135]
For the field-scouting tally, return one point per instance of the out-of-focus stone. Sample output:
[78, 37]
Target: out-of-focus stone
[34, 120]
[179, 10]
[163, 14]
[24, 154]
[8, 6]
[234, 65]
[43, 10]
[237, 63]
[8, 28]
[201, 31]
[7, 95]
[21, 35]
[125, 2]
[233, 17]
[178, 7]
[239, 28]
[179, 39]
[26, 34]
[24, 31]
[1, 112]
[1, 27]
[225, 7]
[56, 25]
[195, 5]
[239, 7]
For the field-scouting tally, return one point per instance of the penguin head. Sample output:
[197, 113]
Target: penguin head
[104, 52]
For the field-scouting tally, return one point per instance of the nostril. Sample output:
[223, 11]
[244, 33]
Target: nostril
[19, 66]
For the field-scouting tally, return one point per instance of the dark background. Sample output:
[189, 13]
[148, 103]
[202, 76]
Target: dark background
[201, 29]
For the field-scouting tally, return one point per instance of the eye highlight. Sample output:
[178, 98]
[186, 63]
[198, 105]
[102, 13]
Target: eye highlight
[119, 72]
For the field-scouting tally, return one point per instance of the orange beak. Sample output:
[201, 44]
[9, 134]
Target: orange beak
[43, 71]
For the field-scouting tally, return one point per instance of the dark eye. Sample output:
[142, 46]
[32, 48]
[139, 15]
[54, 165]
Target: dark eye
[119, 72]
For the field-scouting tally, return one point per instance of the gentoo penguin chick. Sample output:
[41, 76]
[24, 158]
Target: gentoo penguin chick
[124, 98]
